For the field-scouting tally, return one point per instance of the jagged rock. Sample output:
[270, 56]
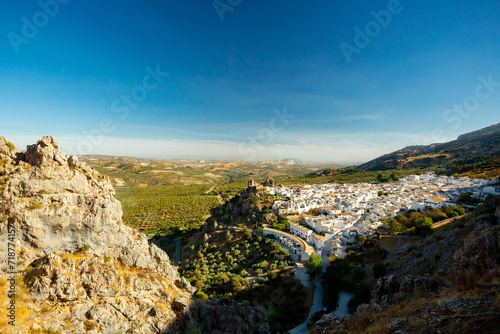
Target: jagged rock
[332, 324]
[7, 149]
[390, 289]
[229, 317]
[480, 253]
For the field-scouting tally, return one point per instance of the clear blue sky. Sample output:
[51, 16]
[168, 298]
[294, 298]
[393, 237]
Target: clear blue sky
[225, 77]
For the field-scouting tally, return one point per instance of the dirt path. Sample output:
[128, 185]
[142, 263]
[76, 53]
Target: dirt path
[219, 197]
[447, 221]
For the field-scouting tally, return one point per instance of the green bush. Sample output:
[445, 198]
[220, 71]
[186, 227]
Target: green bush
[200, 295]
[379, 269]
[358, 274]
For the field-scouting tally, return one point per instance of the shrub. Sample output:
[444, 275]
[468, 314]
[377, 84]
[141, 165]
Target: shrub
[11, 146]
[358, 274]
[379, 269]
[85, 248]
[200, 295]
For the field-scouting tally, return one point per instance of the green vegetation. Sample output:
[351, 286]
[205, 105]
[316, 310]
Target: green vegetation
[340, 276]
[200, 295]
[218, 268]
[353, 175]
[283, 297]
[379, 269]
[314, 266]
[468, 199]
[421, 222]
[282, 224]
[241, 265]
[166, 209]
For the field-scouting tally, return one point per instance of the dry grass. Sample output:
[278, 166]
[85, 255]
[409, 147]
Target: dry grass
[466, 280]
[11, 146]
[34, 206]
[364, 323]
[381, 326]
[25, 315]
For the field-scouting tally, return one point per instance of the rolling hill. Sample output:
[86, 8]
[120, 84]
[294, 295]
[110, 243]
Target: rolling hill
[468, 149]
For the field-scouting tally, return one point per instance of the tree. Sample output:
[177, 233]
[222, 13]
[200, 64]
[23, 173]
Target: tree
[314, 265]
[394, 177]
[237, 282]
[425, 226]
[358, 274]
[314, 211]
[427, 221]
[379, 269]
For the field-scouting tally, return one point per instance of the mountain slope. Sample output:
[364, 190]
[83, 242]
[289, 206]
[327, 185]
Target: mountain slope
[472, 147]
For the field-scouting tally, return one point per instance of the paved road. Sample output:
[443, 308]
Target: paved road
[344, 298]
[178, 253]
[301, 274]
[316, 306]
[318, 293]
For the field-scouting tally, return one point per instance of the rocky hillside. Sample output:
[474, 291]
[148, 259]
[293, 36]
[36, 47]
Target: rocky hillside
[243, 208]
[446, 283]
[78, 268]
[469, 148]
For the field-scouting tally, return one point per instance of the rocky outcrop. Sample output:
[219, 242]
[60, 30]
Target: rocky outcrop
[58, 204]
[82, 270]
[450, 315]
[391, 289]
[241, 208]
[228, 316]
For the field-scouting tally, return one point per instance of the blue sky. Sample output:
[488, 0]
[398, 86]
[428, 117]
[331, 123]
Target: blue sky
[235, 70]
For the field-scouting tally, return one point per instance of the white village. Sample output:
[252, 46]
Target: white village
[350, 210]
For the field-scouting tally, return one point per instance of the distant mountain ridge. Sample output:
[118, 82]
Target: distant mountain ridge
[468, 148]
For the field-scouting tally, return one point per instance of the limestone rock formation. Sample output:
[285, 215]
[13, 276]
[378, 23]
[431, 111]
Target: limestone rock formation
[80, 270]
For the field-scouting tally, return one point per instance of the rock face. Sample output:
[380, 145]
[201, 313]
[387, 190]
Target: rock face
[227, 316]
[390, 290]
[81, 269]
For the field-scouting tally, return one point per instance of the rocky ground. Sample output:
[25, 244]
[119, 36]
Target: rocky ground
[446, 283]
[80, 269]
